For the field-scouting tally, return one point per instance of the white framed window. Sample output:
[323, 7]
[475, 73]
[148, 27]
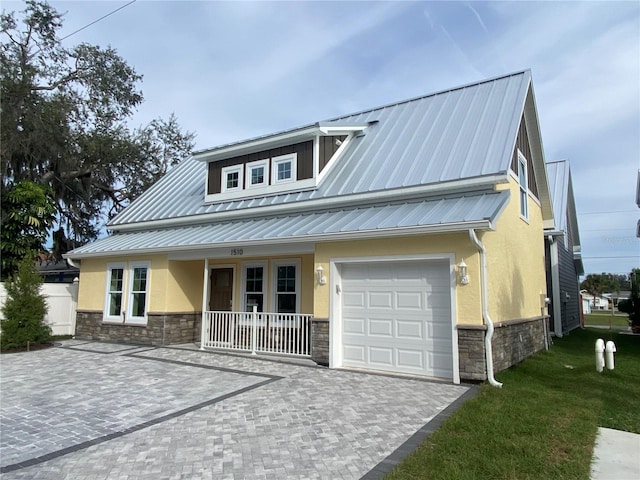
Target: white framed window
[254, 277]
[115, 292]
[524, 186]
[258, 174]
[286, 286]
[232, 178]
[138, 293]
[283, 168]
[127, 293]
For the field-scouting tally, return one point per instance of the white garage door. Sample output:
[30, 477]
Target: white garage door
[396, 316]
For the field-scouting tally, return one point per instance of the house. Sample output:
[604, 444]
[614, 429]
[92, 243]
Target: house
[595, 303]
[407, 238]
[563, 252]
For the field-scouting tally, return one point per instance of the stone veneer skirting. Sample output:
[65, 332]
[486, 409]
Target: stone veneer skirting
[512, 342]
[161, 328]
[320, 341]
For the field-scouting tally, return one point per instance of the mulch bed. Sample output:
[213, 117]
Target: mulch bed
[39, 346]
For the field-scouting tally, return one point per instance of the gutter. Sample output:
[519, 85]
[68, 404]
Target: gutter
[488, 349]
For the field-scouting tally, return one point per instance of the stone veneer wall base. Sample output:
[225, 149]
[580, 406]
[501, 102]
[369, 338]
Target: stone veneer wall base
[320, 341]
[512, 342]
[161, 328]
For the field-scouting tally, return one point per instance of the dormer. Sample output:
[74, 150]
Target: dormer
[291, 161]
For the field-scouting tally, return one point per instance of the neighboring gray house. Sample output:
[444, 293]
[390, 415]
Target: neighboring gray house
[563, 255]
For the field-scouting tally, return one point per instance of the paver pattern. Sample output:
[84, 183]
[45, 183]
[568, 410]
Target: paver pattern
[105, 411]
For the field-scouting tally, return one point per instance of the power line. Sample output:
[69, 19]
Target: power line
[607, 213]
[620, 256]
[96, 21]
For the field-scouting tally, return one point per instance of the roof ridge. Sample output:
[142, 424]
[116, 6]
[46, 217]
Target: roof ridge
[433, 94]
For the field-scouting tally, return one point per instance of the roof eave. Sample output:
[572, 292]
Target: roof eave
[339, 236]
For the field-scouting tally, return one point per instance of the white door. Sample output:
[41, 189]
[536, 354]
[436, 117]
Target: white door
[396, 316]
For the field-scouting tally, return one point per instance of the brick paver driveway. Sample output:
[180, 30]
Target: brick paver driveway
[91, 410]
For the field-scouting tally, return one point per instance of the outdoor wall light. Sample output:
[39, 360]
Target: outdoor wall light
[322, 280]
[463, 278]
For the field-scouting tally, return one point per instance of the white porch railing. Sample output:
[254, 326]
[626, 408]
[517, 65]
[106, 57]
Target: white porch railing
[258, 332]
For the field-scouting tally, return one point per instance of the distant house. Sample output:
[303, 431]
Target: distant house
[563, 252]
[600, 302]
[407, 238]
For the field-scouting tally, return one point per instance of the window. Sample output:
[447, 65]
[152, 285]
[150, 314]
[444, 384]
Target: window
[523, 181]
[232, 178]
[132, 285]
[254, 287]
[115, 288]
[258, 174]
[138, 293]
[286, 286]
[284, 168]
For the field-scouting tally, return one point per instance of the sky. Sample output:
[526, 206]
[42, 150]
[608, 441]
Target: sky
[236, 70]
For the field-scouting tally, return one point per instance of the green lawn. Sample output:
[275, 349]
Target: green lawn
[605, 319]
[542, 423]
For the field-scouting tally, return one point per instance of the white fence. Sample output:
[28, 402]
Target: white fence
[278, 333]
[62, 302]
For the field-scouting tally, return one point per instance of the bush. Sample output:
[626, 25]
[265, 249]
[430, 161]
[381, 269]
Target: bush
[24, 309]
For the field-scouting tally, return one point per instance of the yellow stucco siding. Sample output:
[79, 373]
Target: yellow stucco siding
[93, 281]
[184, 286]
[467, 297]
[515, 256]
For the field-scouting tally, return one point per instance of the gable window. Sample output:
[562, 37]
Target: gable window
[127, 293]
[524, 186]
[254, 287]
[284, 168]
[258, 174]
[286, 286]
[232, 178]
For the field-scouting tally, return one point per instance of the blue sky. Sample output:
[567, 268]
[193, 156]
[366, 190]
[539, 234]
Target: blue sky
[235, 70]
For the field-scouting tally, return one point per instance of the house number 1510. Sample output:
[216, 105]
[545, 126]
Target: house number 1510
[235, 252]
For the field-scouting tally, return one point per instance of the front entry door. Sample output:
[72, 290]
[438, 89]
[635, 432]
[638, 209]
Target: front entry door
[221, 295]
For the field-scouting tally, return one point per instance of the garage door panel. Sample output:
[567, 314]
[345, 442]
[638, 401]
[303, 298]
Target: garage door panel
[411, 330]
[411, 359]
[381, 300]
[397, 317]
[354, 299]
[409, 300]
[354, 354]
[355, 325]
[381, 356]
[380, 327]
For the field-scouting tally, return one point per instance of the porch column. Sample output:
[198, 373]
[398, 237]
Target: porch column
[205, 290]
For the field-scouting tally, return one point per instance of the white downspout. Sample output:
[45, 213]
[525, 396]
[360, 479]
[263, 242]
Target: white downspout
[555, 286]
[72, 262]
[488, 349]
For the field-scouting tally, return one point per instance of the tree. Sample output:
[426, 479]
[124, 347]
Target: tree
[27, 214]
[24, 309]
[596, 284]
[63, 123]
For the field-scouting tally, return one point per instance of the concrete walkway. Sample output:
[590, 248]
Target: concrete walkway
[90, 410]
[616, 455]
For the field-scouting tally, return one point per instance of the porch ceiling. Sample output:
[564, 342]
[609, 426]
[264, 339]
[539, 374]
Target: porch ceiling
[425, 216]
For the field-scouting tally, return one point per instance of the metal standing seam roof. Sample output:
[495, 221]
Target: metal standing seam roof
[477, 210]
[466, 132]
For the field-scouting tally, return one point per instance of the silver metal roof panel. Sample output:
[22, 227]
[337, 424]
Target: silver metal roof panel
[456, 213]
[467, 132]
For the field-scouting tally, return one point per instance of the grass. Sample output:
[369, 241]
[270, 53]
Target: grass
[603, 319]
[542, 423]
